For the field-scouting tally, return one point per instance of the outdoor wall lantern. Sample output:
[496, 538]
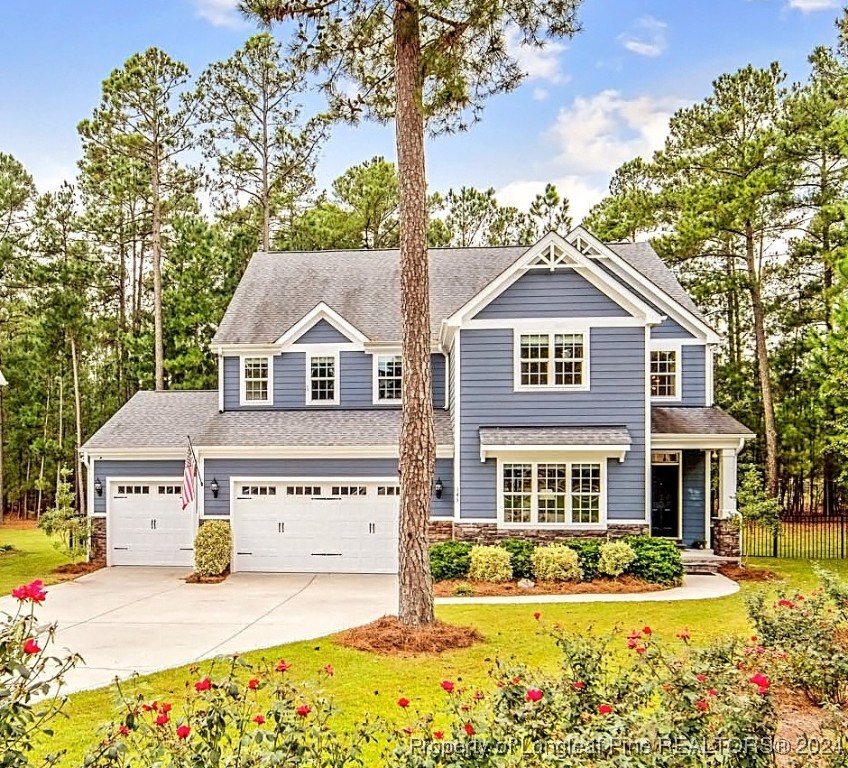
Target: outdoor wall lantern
[214, 488]
[98, 486]
[439, 488]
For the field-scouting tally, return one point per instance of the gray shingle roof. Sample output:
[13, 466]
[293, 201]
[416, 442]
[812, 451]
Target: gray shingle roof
[157, 420]
[685, 420]
[315, 428]
[554, 436]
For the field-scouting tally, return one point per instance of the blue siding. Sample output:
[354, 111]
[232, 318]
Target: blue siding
[290, 380]
[223, 469]
[231, 383]
[694, 502]
[670, 329]
[110, 468]
[357, 376]
[694, 364]
[438, 367]
[617, 397]
[542, 293]
[322, 333]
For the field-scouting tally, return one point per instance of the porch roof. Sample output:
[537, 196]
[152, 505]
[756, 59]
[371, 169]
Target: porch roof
[609, 440]
[689, 420]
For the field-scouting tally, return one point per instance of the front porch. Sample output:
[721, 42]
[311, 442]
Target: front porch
[688, 446]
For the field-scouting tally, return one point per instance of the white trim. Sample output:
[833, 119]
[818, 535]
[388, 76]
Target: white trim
[311, 452]
[220, 383]
[679, 455]
[702, 441]
[665, 302]
[544, 453]
[671, 345]
[248, 350]
[708, 500]
[648, 436]
[456, 353]
[375, 389]
[585, 384]
[321, 311]
[99, 454]
[554, 323]
[243, 401]
[446, 403]
[569, 462]
[709, 376]
[333, 352]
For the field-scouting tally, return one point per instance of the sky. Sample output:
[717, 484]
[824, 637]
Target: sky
[587, 105]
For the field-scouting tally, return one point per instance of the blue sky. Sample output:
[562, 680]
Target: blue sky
[588, 104]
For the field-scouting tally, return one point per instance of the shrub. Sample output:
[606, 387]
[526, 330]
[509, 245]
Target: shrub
[588, 555]
[615, 558]
[71, 530]
[657, 560]
[556, 563]
[463, 589]
[520, 552]
[490, 564]
[213, 546]
[450, 560]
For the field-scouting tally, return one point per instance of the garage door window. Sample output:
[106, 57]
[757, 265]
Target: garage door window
[170, 490]
[258, 490]
[349, 490]
[133, 490]
[303, 490]
[388, 490]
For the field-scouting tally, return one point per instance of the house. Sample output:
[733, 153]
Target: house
[573, 394]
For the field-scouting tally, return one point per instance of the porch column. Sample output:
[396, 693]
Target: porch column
[727, 483]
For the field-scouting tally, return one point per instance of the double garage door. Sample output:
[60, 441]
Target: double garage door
[318, 527]
[326, 526]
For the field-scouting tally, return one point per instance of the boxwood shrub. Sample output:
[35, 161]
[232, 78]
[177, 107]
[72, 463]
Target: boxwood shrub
[657, 560]
[520, 552]
[588, 555]
[450, 560]
[212, 547]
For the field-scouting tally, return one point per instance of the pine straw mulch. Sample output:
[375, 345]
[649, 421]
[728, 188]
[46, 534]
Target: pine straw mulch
[196, 578]
[746, 573]
[800, 723]
[621, 585]
[388, 637]
[18, 524]
[78, 569]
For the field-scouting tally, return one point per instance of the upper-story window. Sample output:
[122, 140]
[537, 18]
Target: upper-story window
[552, 360]
[388, 379]
[322, 385]
[665, 374]
[256, 381]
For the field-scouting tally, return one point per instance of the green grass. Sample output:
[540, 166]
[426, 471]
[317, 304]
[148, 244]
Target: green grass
[367, 683]
[33, 557]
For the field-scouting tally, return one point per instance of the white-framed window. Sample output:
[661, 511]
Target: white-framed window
[388, 378]
[258, 490]
[552, 361]
[388, 490]
[256, 387]
[552, 493]
[349, 490]
[322, 378]
[665, 377]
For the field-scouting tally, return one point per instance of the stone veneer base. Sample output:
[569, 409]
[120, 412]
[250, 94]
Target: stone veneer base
[726, 538]
[489, 533]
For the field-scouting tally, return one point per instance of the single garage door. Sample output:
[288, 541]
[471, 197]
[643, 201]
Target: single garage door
[326, 527]
[147, 525]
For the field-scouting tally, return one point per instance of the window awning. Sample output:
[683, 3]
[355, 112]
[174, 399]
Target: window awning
[594, 441]
[698, 427]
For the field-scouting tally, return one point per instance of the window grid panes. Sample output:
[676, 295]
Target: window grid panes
[552, 490]
[551, 493]
[388, 490]
[585, 493]
[664, 373]
[322, 379]
[349, 490]
[552, 360]
[389, 378]
[303, 490]
[259, 490]
[517, 492]
[255, 379]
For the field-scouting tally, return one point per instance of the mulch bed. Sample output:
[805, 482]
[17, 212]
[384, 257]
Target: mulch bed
[387, 636]
[77, 569]
[18, 524]
[746, 573]
[799, 722]
[621, 585]
[196, 578]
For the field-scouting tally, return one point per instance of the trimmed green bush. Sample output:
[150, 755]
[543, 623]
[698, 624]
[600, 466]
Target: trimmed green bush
[588, 554]
[657, 560]
[213, 546]
[616, 558]
[450, 560]
[520, 552]
[556, 563]
[490, 564]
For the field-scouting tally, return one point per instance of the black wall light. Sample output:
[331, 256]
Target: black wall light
[98, 486]
[213, 486]
[439, 488]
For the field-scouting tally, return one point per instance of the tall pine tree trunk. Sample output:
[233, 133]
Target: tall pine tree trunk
[762, 362]
[156, 257]
[78, 470]
[417, 439]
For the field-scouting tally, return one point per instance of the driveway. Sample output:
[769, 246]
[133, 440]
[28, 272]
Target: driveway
[125, 620]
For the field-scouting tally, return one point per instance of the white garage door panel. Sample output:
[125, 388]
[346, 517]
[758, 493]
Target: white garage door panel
[279, 531]
[147, 525]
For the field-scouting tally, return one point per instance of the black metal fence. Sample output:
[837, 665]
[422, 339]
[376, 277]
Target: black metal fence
[802, 537]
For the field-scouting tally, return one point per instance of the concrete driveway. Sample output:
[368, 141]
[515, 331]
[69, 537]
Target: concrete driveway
[125, 620]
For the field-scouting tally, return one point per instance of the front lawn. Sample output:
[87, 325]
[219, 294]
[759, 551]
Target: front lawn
[33, 557]
[366, 683]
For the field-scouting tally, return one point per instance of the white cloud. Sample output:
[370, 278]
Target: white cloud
[538, 63]
[599, 133]
[220, 13]
[810, 6]
[582, 194]
[540, 94]
[649, 39]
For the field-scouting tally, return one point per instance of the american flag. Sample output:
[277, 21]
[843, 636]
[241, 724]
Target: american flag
[187, 495]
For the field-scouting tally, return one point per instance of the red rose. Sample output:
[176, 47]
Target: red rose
[303, 710]
[447, 686]
[579, 686]
[712, 692]
[534, 694]
[33, 592]
[165, 708]
[478, 696]
[701, 678]
[702, 705]
[516, 680]
[647, 631]
[183, 731]
[404, 703]
[329, 670]
[469, 729]
[31, 646]
[754, 638]
[784, 603]
[537, 615]
[162, 719]
[632, 643]
[253, 684]
[604, 709]
[759, 680]
[282, 666]
[259, 719]
[203, 685]
[438, 735]
[684, 634]
[640, 649]
[123, 730]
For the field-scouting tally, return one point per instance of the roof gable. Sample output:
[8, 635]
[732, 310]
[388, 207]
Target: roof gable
[322, 325]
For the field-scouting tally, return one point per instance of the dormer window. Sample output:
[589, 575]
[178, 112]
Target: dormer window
[256, 381]
[322, 386]
[388, 379]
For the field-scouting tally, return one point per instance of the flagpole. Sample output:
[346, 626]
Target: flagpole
[196, 465]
